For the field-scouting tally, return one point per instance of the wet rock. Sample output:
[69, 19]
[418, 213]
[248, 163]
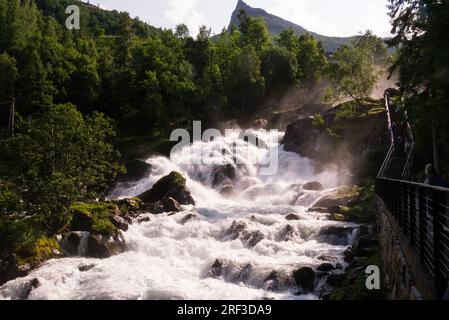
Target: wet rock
[172, 185]
[188, 217]
[318, 209]
[313, 186]
[143, 219]
[135, 171]
[85, 267]
[335, 235]
[325, 267]
[305, 278]
[287, 233]
[335, 210]
[70, 242]
[343, 197]
[272, 282]
[244, 273]
[292, 217]
[236, 229]
[253, 238]
[182, 196]
[227, 190]
[259, 124]
[168, 204]
[336, 279]
[32, 284]
[339, 266]
[222, 174]
[119, 222]
[105, 246]
[348, 254]
[10, 269]
[81, 221]
[337, 217]
[216, 270]
[132, 207]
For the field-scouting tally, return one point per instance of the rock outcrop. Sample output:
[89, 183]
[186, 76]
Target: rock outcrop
[348, 136]
[172, 185]
[305, 278]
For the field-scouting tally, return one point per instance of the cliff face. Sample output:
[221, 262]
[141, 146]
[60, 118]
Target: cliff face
[276, 25]
[350, 136]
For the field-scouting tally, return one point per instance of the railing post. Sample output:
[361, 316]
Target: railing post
[440, 280]
[421, 219]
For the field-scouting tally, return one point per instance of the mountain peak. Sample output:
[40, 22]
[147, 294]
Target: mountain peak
[277, 24]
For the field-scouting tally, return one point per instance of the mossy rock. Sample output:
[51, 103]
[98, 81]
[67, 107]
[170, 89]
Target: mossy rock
[173, 181]
[38, 251]
[343, 197]
[98, 215]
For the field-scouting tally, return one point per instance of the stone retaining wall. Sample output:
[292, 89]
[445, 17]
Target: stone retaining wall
[404, 275]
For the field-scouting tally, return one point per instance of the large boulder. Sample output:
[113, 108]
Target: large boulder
[172, 185]
[305, 278]
[335, 235]
[71, 242]
[223, 174]
[227, 190]
[313, 186]
[343, 197]
[105, 246]
[135, 171]
[238, 230]
[335, 137]
[119, 222]
[81, 220]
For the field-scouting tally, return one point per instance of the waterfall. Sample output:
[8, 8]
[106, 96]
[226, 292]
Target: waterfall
[229, 246]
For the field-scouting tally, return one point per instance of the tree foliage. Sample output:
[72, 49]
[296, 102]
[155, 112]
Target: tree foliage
[352, 71]
[423, 47]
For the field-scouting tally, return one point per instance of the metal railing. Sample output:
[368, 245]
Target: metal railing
[422, 211]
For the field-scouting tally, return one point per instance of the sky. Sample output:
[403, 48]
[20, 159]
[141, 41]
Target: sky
[327, 17]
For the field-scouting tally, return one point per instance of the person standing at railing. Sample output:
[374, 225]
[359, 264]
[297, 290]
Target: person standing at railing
[433, 178]
[408, 146]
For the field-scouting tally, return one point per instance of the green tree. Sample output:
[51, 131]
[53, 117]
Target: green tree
[352, 72]
[257, 34]
[421, 60]
[279, 68]
[247, 87]
[311, 60]
[62, 157]
[182, 31]
[8, 75]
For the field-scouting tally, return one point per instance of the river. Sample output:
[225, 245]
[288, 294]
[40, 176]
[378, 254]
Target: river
[209, 256]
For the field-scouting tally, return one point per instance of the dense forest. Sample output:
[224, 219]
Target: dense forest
[79, 95]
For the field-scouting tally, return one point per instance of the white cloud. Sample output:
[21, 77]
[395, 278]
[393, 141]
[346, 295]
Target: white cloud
[184, 11]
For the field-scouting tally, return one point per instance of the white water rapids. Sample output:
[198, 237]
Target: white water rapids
[168, 258]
